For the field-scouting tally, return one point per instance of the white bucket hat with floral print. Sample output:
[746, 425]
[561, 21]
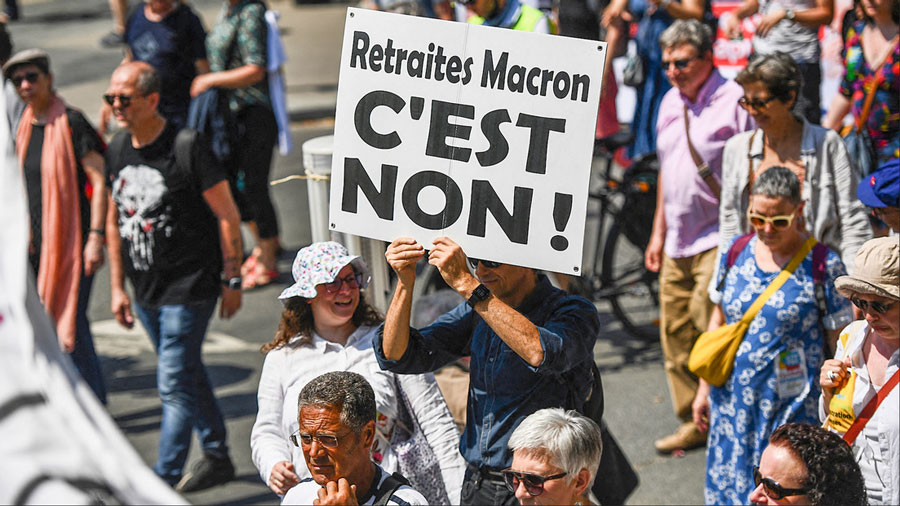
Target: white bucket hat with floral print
[320, 263]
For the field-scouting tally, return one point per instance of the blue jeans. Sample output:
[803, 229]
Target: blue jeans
[83, 354]
[177, 333]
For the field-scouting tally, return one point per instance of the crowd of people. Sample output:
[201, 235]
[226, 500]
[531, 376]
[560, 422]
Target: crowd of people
[764, 223]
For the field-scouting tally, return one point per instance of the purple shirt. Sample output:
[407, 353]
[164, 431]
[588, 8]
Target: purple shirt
[691, 209]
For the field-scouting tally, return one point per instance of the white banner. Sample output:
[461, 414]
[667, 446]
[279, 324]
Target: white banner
[481, 134]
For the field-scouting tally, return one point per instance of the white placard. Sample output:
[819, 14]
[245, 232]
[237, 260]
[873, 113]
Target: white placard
[481, 134]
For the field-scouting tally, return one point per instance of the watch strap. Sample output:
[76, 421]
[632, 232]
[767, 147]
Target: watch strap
[479, 294]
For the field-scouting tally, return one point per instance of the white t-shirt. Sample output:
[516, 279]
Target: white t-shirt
[307, 491]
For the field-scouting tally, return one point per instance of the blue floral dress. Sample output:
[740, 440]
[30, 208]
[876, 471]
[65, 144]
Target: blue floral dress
[775, 377]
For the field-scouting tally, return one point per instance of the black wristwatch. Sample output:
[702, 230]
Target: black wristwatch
[232, 283]
[479, 294]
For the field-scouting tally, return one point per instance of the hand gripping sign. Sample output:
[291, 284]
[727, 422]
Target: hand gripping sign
[481, 134]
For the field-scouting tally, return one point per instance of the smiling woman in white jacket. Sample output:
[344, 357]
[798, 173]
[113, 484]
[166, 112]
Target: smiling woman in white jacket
[328, 326]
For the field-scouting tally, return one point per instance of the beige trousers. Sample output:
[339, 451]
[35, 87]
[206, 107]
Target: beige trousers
[685, 310]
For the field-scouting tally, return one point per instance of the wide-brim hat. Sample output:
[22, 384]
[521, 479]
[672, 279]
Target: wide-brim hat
[881, 188]
[24, 57]
[320, 263]
[876, 270]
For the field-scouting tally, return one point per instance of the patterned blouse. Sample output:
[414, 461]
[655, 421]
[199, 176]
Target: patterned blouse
[239, 38]
[884, 119]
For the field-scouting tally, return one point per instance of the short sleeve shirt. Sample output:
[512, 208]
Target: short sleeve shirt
[239, 38]
[170, 238]
[307, 491]
[172, 47]
[84, 140]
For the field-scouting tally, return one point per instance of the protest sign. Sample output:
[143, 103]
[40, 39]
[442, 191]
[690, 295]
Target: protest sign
[481, 134]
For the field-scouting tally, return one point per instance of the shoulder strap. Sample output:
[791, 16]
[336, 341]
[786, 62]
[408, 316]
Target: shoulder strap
[702, 167]
[869, 410]
[731, 257]
[819, 257]
[185, 142]
[873, 86]
[390, 485]
[779, 280]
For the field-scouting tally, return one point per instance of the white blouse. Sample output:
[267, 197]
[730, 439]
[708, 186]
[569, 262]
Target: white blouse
[288, 369]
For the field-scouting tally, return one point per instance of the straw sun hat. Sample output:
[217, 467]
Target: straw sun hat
[876, 270]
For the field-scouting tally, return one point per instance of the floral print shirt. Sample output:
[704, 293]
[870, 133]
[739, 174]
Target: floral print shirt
[239, 38]
[884, 118]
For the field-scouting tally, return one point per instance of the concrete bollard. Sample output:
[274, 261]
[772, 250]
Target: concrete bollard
[317, 156]
[317, 164]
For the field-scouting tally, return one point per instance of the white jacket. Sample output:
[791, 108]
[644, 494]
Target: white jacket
[885, 422]
[288, 369]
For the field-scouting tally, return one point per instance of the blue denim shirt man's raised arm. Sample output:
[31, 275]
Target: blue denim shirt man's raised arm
[503, 388]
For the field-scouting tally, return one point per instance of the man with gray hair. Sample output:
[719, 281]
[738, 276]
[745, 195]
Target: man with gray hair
[336, 413]
[555, 458]
[696, 117]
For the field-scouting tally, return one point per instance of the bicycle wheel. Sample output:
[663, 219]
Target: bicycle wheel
[631, 289]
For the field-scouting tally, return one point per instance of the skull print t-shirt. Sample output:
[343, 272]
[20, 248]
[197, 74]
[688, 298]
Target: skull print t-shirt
[170, 239]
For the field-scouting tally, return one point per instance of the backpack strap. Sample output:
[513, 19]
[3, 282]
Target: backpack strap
[185, 144]
[390, 485]
[819, 256]
[731, 257]
[114, 150]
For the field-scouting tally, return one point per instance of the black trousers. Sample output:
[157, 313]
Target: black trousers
[257, 134]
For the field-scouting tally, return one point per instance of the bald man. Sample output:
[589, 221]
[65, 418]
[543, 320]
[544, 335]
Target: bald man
[173, 229]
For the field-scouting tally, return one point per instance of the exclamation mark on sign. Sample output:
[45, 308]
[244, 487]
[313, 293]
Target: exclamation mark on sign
[562, 208]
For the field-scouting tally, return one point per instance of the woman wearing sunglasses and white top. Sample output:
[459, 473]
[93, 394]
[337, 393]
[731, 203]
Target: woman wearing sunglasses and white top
[776, 368]
[555, 458]
[832, 213]
[327, 325]
[866, 365]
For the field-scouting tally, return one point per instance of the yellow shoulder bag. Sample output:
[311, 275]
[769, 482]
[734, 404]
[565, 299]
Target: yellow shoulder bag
[712, 357]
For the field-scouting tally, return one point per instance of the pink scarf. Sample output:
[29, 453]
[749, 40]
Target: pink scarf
[59, 273]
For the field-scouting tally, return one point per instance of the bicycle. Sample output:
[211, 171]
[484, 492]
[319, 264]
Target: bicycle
[629, 202]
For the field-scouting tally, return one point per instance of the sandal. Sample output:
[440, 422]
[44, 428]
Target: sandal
[249, 265]
[258, 278]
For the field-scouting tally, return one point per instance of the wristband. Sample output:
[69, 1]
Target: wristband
[232, 283]
[98, 231]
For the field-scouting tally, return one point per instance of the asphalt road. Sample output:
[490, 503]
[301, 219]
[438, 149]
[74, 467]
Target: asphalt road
[637, 403]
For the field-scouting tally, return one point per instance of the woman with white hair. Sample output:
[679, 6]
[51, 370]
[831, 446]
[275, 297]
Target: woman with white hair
[555, 457]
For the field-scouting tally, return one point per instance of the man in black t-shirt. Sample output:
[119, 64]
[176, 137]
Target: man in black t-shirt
[173, 228]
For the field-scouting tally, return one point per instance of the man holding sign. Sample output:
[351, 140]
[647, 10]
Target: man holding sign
[531, 347]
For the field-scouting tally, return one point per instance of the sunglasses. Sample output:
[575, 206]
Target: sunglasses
[756, 104]
[779, 222]
[772, 489]
[124, 100]
[679, 64]
[534, 483]
[303, 439]
[876, 307]
[31, 77]
[354, 281]
[487, 263]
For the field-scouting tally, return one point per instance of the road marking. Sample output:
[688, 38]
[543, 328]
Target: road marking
[114, 340]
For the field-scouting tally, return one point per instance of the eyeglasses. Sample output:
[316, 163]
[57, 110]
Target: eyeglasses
[301, 439]
[534, 483]
[779, 222]
[354, 281]
[31, 77]
[124, 100]
[757, 104]
[773, 489]
[487, 263]
[679, 64]
[876, 307]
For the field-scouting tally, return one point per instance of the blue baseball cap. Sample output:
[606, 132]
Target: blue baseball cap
[881, 188]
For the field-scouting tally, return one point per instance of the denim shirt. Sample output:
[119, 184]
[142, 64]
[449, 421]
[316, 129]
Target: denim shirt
[503, 388]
